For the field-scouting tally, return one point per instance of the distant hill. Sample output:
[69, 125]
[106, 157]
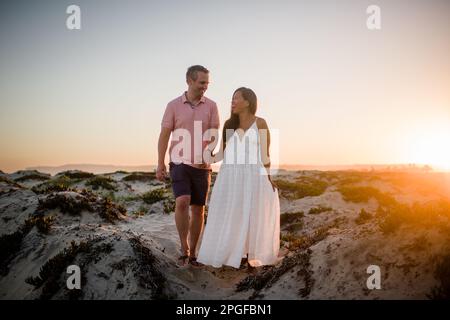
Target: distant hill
[94, 168]
[99, 168]
[359, 167]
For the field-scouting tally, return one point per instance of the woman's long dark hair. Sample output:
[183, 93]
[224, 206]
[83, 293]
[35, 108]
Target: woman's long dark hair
[233, 121]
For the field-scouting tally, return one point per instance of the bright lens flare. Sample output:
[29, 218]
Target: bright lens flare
[432, 147]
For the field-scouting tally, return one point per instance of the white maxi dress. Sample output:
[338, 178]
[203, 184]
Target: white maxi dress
[244, 210]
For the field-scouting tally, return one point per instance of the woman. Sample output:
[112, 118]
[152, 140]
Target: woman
[244, 210]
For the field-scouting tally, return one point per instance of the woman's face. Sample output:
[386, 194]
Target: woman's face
[238, 104]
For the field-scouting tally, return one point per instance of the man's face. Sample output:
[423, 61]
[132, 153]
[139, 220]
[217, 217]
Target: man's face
[200, 85]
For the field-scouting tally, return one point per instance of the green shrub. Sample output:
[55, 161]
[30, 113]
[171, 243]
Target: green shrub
[79, 175]
[56, 265]
[291, 217]
[109, 195]
[102, 182]
[42, 223]
[319, 209]
[111, 211]
[9, 181]
[127, 198]
[442, 274]
[363, 217]
[140, 212]
[294, 227]
[424, 215]
[140, 176]
[358, 194]
[58, 184]
[169, 206]
[70, 205]
[363, 194]
[148, 273]
[49, 277]
[10, 244]
[288, 237]
[303, 187]
[32, 176]
[154, 196]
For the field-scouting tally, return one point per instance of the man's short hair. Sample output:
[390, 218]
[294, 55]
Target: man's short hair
[192, 71]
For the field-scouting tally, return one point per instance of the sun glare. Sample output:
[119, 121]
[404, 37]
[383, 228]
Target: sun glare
[432, 147]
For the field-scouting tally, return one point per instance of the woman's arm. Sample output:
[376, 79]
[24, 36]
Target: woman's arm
[264, 135]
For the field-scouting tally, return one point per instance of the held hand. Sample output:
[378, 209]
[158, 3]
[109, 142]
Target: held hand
[209, 159]
[161, 172]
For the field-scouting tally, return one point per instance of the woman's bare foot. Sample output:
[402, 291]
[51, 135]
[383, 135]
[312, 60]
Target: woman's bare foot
[250, 268]
[244, 263]
[193, 261]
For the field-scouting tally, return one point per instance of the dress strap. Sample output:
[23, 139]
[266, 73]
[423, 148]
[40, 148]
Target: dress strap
[254, 122]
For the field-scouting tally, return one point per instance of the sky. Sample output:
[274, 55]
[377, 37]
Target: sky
[333, 90]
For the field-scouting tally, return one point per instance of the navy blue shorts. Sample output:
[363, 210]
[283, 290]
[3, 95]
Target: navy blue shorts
[187, 180]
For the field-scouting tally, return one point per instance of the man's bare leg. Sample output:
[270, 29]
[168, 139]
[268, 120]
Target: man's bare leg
[196, 226]
[182, 221]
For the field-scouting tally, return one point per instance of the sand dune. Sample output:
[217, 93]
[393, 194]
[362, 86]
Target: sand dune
[119, 229]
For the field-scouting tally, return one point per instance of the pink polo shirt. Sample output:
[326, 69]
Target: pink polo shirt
[195, 120]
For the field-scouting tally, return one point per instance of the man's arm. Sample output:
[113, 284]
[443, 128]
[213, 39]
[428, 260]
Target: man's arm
[163, 142]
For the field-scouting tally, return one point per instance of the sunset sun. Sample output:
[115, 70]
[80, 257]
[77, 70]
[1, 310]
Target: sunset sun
[432, 148]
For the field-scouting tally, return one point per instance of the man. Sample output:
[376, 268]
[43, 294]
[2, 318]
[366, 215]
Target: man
[190, 175]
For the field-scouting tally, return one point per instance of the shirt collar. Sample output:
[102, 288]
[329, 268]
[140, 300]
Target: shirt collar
[185, 100]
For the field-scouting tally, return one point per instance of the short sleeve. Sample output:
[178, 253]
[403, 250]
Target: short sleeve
[215, 121]
[168, 120]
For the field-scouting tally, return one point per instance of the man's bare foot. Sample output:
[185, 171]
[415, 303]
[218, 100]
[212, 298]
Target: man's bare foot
[182, 260]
